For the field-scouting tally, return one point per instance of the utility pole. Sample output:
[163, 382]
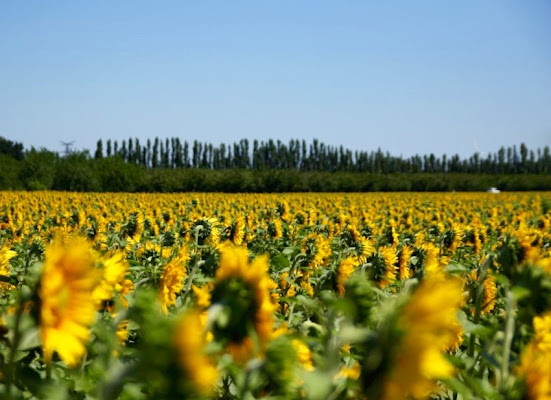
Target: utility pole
[67, 147]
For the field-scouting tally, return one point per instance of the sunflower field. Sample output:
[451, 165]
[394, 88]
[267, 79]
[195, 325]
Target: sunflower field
[263, 296]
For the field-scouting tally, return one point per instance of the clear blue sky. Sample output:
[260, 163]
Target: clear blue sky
[406, 76]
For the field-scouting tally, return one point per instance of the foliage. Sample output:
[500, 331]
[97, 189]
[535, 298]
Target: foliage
[10, 148]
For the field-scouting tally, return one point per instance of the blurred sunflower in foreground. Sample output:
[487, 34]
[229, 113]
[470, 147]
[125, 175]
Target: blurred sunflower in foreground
[242, 307]
[430, 323]
[535, 361]
[190, 340]
[67, 307]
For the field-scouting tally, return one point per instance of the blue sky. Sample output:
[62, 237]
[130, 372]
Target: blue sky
[406, 76]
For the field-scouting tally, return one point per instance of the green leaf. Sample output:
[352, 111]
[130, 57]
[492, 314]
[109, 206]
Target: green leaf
[288, 250]
[280, 262]
[317, 385]
[30, 339]
[470, 327]
[520, 293]
[352, 334]
[456, 268]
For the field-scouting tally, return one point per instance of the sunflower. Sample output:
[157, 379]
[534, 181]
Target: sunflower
[403, 263]
[300, 218]
[451, 238]
[122, 331]
[429, 321]
[346, 268]
[236, 231]
[453, 346]
[286, 286]
[363, 248]
[528, 249]
[172, 280]
[5, 256]
[349, 372]
[475, 237]
[206, 230]
[535, 370]
[67, 309]
[202, 295]
[489, 292]
[542, 332]
[535, 360]
[433, 263]
[304, 354]
[391, 235]
[114, 271]
[350, 235]
[306, 286]
[384, 262]
[282, 209]
[390, 259]
[243, 289]
[316, 250]
[190, 341]
[275, 229]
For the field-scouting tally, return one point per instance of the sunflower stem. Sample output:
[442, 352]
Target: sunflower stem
[509, 332]
[291, 309]
[13, 352]
[192, 274]
[245, 385]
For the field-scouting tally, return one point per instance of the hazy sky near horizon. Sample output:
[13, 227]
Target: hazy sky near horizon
[406, 76]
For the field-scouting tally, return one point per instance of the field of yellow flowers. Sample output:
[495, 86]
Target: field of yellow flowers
[288, 296]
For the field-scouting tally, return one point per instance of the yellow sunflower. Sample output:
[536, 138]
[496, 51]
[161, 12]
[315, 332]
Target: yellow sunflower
[67, 309]
[243, 289]
[275, 228]
[542, 332]
[346, 268]
[236, 231]
[489, 292]
[535, 370]
[535, 360]
[206, 231]
[304, 354]
[430, 324]
[190, 341]
[390, 260]
[5, 256]
[316, 250]
[202, 295]
[172, 281]
[403, 263]
[114, 271]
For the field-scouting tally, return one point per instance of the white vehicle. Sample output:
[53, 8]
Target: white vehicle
[493, 190]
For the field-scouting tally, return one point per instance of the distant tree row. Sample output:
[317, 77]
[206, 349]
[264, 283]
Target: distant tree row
[267, 167]
[78, 171]
[316, 156]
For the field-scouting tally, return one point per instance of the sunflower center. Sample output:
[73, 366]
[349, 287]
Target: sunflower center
[240, 307]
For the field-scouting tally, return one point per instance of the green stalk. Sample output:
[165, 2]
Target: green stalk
[13, 350]
[509, 332]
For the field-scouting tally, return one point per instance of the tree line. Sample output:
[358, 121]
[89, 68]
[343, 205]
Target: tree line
[265, 167]
[316, 156]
